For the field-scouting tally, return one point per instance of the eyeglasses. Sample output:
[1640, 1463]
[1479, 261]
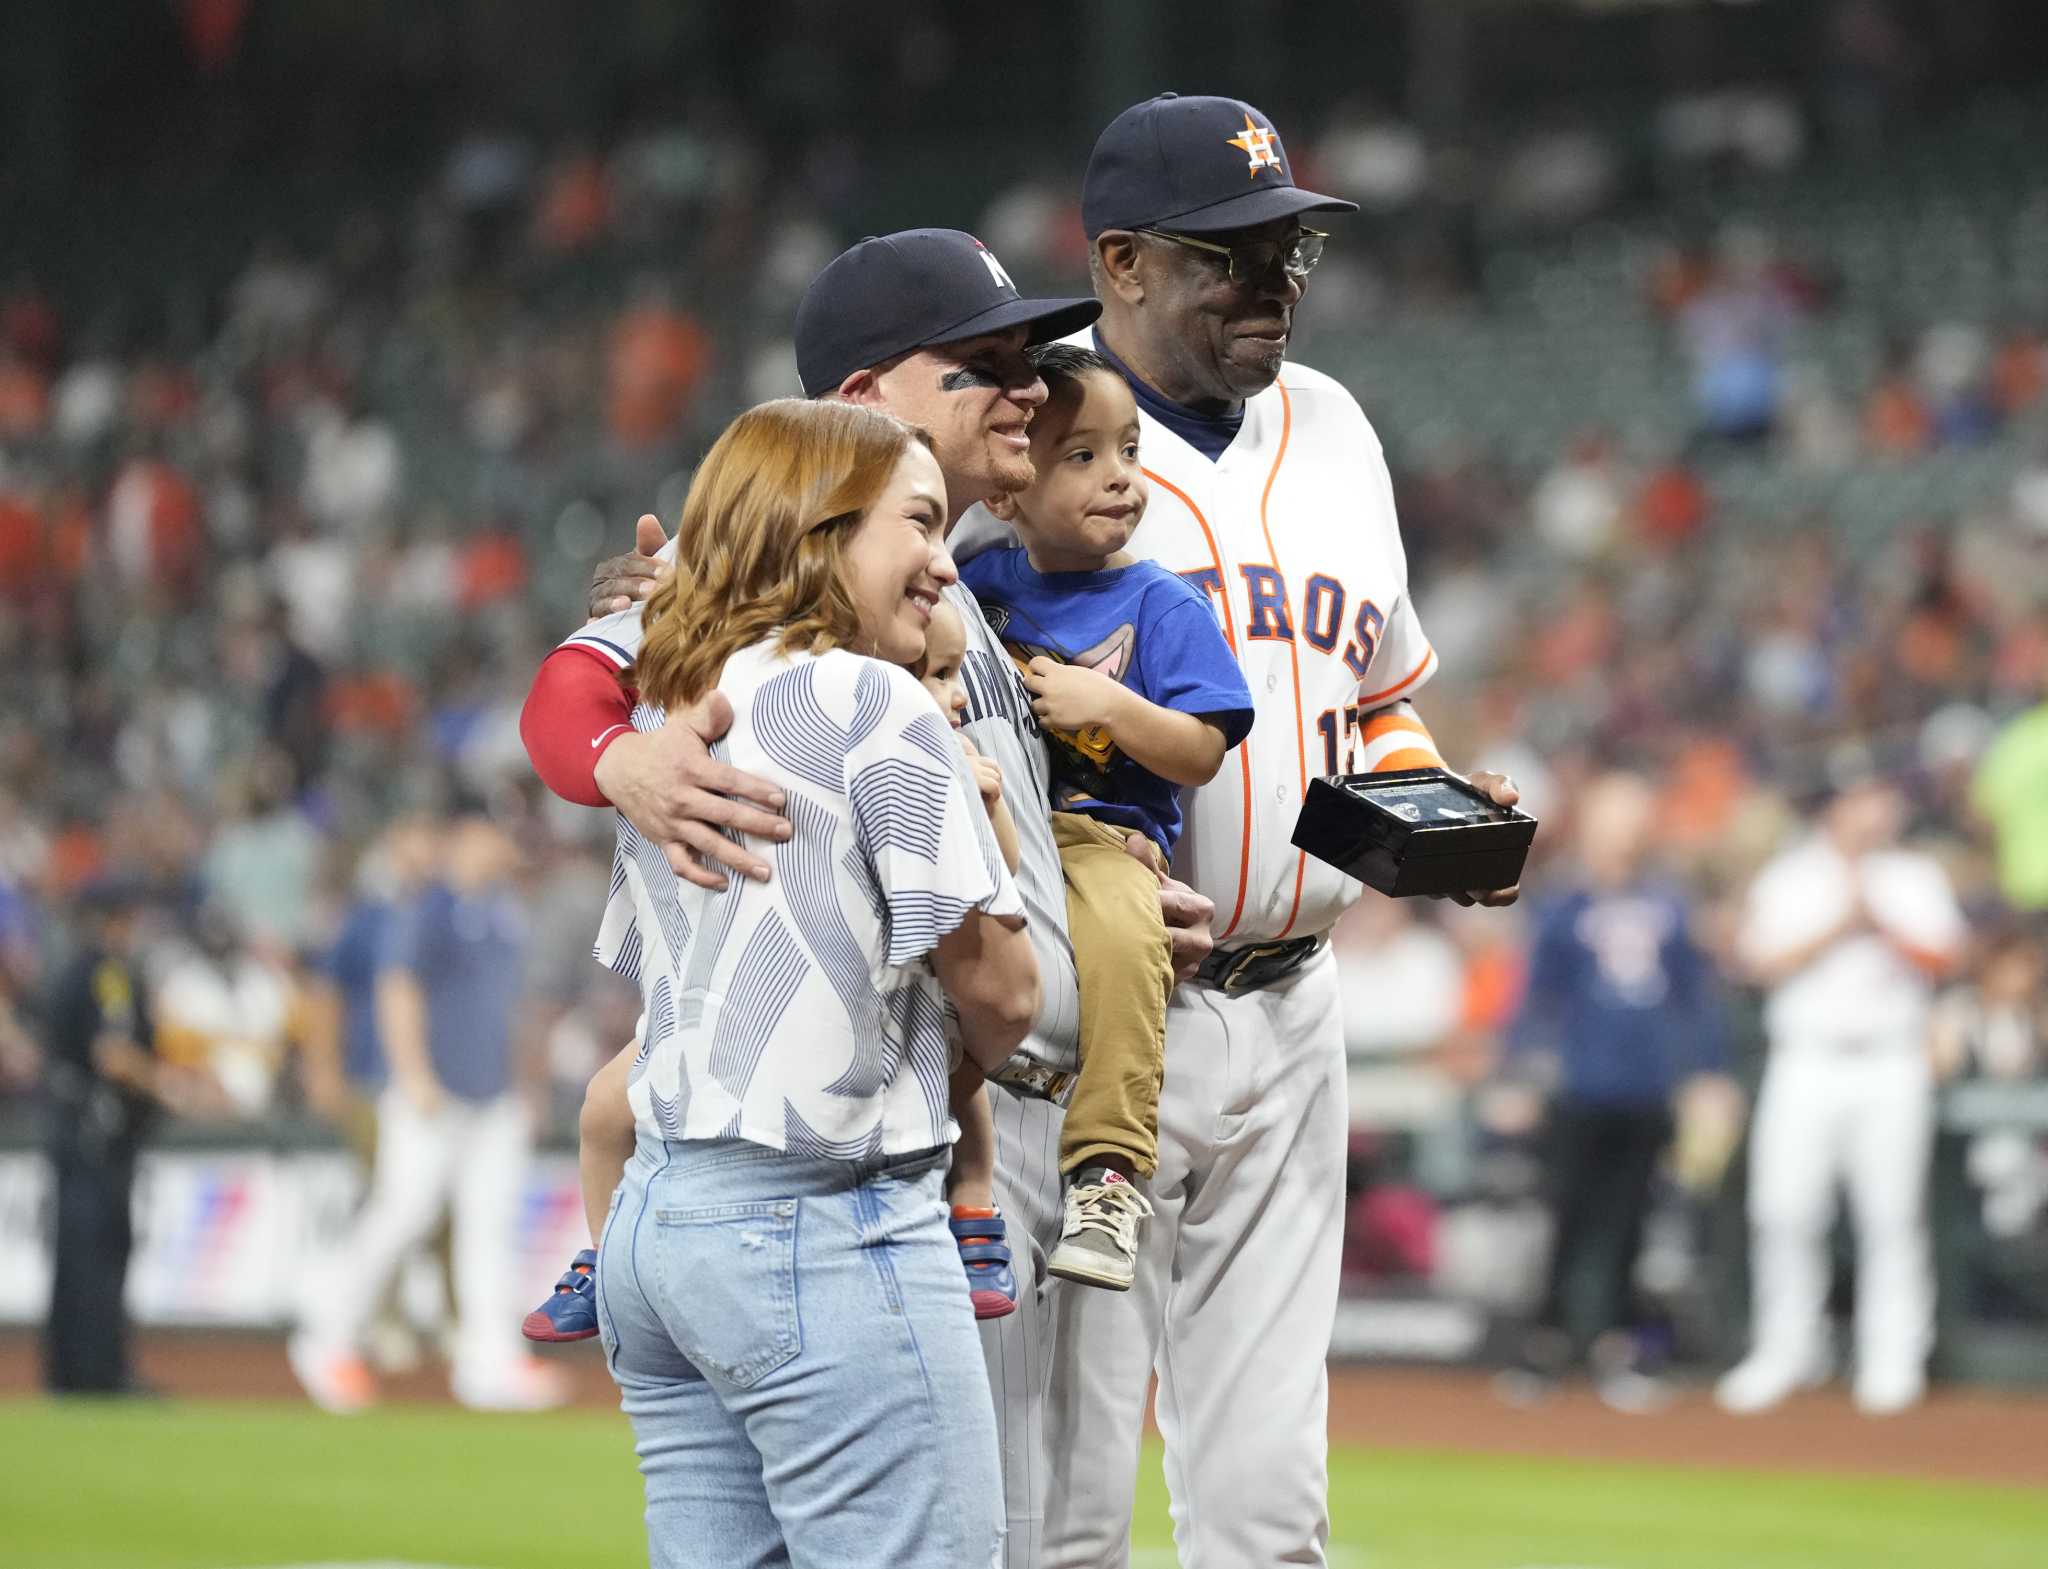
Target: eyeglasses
[1253, 260]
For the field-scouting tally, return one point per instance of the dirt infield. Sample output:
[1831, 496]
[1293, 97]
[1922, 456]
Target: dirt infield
[1960, 1435]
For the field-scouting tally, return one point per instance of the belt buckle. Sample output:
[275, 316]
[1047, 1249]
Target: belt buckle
[1233, 978]
[1036, 1079]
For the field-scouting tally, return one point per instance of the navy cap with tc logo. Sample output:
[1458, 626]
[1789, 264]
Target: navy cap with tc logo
[1195, 166]
[911, 290]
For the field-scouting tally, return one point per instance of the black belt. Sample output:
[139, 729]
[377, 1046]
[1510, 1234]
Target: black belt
[1234, 970]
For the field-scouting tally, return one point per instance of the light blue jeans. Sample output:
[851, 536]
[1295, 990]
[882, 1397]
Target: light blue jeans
[794, 1343]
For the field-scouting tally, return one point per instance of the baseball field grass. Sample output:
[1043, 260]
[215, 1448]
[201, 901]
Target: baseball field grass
[197, 1485]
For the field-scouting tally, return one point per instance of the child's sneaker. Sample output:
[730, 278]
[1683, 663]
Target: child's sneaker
[1099, 1237]
[571, 1313]
[991, 1282]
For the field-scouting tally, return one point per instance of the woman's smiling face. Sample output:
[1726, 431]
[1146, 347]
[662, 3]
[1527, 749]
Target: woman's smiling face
[896, 561]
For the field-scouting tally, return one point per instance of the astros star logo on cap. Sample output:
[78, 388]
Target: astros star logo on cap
[1257, 142]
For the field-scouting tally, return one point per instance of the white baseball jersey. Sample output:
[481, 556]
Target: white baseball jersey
[1861, 990]
[1847, 1102]
[1292, 535]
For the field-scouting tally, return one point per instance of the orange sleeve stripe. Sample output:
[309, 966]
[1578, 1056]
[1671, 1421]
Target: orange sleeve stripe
[1244, 748]
[1374, 699]
[1408, 757]
[1389, 724]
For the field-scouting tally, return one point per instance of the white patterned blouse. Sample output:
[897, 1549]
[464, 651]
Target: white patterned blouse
[802, 1013]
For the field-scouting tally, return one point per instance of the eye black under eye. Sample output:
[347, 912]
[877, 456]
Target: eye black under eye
[972, 375]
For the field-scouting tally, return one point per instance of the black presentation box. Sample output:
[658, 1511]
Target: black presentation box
[1414, 831]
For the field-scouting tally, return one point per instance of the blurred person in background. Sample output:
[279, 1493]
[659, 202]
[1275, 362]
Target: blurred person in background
[343, 1086]
[20, 1058]
[1847, 932]
[1734, 332]
[1621, 1007]
[104, 1083]
[228, 1012]
[2010, 793]
[453, 1129]
[345, 1068]
[263, 862]
[1993, 1028]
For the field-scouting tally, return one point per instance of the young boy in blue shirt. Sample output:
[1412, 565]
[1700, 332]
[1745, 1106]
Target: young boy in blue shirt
[1140, 696]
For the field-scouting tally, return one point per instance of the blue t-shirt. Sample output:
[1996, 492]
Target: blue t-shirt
[1141, 624]
[1620, 992]
[352, 965]
[468, 953]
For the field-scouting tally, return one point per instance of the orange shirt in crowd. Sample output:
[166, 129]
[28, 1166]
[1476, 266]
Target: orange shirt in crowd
[22, 547]
[1673, 505]
[24, 398]
[488, 568]
[1705, 784]
[1896, 422]
[378, 702]
[2019, 374]
[658, 359]
[576, 208]
[154, 537]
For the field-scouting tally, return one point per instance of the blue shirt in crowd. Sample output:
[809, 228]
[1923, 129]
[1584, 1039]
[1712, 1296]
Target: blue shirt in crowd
[352, 966]
[1140, 624]
[1622, 995]
[467, 950]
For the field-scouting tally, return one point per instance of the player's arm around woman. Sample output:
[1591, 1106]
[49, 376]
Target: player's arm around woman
[781, 1301]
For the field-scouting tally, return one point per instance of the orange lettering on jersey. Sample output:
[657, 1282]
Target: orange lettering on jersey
[1322, 612]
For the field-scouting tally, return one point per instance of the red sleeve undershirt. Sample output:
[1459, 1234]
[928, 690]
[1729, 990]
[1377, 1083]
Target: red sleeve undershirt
[574, 710]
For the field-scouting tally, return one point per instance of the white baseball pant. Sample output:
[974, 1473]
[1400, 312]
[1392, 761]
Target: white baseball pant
[1864, 1119]
[1234, 1304]
[471, 1153]
[1020, 1348]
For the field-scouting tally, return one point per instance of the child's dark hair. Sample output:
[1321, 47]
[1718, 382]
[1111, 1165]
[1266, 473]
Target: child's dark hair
[1067, 362]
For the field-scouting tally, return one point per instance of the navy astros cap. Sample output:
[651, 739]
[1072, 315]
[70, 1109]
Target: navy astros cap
[1194, 165]
[887, 296]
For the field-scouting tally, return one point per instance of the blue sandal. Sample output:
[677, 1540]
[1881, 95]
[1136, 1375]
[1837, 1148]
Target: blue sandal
[571, 1313]
[991, 1282]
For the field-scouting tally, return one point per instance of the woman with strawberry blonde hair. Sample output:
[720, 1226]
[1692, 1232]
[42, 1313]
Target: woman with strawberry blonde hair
[780, 1299]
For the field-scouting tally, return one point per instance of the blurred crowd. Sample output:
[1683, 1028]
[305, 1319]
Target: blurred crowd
[277, 562]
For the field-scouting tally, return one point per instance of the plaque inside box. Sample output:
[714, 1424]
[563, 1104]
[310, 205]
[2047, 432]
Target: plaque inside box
[1414, 831]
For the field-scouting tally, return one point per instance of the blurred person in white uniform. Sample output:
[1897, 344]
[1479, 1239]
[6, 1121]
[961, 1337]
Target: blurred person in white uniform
[1848, 933]
[453, 1132]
